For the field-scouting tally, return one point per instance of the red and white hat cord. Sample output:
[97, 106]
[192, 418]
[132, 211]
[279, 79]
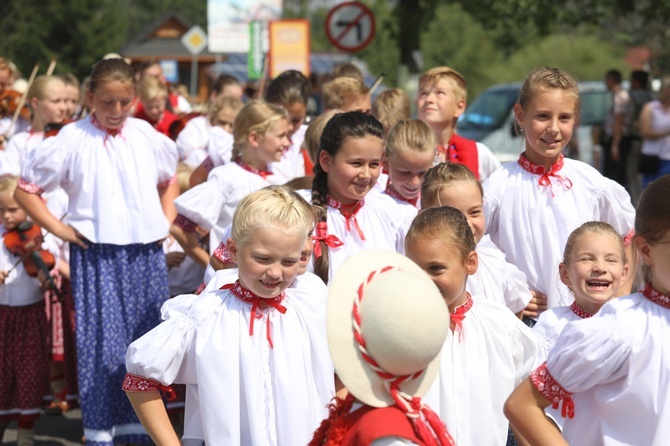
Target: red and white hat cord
[410, 405]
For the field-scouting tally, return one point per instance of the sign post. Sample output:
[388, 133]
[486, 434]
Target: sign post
[195, 40]
[350, 26]
[256, 54]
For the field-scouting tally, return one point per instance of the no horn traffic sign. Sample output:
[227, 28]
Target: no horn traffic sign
[350, 26]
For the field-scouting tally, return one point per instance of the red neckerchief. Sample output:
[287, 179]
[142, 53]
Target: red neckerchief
[263, 173]
[108, 132]
[321, 235]
[391, 193]
[579, 311]
[247, 296]
[545, 179]
[349, 216]
[459, 314]
[656, 297]
[461, 151]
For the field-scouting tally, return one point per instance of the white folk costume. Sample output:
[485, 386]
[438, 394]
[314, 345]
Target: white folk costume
[292, 163]
[192, 141]
[21, 125]
[17, 148]
[611, 373]
[487, 355]
[374, 223]
[530, 213]
[211, 205]
[112, 178]
[263, 377]
[219, 148]
[408, 206]
[498, 279]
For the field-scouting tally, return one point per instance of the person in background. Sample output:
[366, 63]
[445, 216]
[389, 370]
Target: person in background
[616, 144]
[153, 95]
[640, 94]
[348, 94]
[391, 106]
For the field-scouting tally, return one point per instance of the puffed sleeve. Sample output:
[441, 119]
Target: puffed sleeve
[166, 159]
[491, 207]
[10, 158]
[616, 208]
[524, 350]
[45, 167]
[588, 353]
[166, 353]
[220, 147]
[515, 288]
[191, 139]
[203, 203]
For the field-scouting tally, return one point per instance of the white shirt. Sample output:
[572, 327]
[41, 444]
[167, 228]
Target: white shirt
[486, 161]
[21, 125]
[112, 181]
[660, 122]
[531, 226]
[192, 141]
[479, 369]
[211, 205]
[185, 277]
[497, 279]
[617, 364]
[11, 159]
[247, 392]
[220, 146]
[19, 288]
[292, 164]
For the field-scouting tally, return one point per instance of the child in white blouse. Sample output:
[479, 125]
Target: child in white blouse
[260, 132]
[534, 204]
[610, 372]
[488, 351]
[350, 219]
[118, 173]
[452, 184]
[256, 348]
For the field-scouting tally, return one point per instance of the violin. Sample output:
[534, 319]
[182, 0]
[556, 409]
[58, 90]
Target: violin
[25, 241]
[53, 128]
[9, 103]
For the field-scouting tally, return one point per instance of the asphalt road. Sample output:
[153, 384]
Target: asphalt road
[52, 430]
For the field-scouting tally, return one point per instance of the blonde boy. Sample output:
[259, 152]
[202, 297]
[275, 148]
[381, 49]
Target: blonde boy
[442, 100]
[391, 106]
[347, 94]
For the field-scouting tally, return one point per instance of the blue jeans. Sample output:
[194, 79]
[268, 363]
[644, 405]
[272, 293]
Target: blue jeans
[665, 170]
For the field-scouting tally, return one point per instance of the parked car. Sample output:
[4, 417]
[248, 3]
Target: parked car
[489, 119]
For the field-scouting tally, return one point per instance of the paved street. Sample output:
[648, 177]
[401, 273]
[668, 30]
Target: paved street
[52, 430]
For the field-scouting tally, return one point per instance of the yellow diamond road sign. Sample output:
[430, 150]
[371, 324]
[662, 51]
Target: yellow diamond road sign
[195, 40]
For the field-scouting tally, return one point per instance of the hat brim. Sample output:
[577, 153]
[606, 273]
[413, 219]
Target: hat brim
[350, 366]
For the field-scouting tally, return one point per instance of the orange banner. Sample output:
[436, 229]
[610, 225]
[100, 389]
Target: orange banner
[289, 46]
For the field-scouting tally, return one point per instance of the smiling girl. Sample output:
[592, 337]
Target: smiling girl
[533, 205]
[118, 173]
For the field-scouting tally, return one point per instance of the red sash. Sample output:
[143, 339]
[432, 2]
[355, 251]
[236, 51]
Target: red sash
[370, 423]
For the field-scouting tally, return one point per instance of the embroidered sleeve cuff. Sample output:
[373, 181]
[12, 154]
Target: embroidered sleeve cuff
[166, 183]
[136, 383]
[221, 253]
[31, 188]
[547, 385]
[628, 239]
[208, 164]
[184, 223]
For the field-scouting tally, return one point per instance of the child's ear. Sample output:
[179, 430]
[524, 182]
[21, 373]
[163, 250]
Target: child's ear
[624, 275]
[460, 108]
[325, 160]
[231, 246]
[644, 249]
[563, 274]
[254, 138]
[518, 115]
[472, 263]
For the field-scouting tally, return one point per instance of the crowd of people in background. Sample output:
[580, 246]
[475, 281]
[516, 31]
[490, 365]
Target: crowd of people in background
[198, 271]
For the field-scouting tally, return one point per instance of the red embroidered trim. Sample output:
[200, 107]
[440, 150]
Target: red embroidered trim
[208, 164]
[656, 297]
[579, 311]
[321, 235]
[628, 239]
[391, 193]
[552, 390]
[221, 253]
[545, 179]
[459, 314]
[263, 173]
[107, 131]
[349, 216]
[184, 223]
[166, 183]
[254, 300]
[136, 383]
[29, 187]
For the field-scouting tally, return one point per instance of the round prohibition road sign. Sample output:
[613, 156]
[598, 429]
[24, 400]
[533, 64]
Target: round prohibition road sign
[350, 26]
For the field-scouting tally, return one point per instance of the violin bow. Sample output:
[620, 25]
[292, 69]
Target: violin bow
[52, 66]
[23, 99]
[377, 82]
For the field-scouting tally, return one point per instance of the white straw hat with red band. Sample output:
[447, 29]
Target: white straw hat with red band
[386, 325]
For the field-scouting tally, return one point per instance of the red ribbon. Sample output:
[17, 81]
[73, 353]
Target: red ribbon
[349, 216]
[263, 173]
[458, 316]
[321, 235]
[545, 175]
[256, 312]
[567, 408]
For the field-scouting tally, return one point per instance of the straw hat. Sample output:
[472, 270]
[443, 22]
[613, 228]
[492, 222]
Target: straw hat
[403, 325]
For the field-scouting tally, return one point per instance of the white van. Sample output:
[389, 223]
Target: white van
[489, 119]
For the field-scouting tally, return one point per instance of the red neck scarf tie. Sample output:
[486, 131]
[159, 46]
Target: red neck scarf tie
[656, 297]
[391, 193]
[321, 235]
[579, 311]
[262, 173]
[249, 297]
[545, 176]
[349, 214]
[108, 132]
[458, 315]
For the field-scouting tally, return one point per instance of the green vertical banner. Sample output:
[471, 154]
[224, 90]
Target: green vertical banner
[255, 57]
